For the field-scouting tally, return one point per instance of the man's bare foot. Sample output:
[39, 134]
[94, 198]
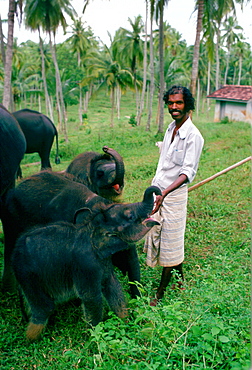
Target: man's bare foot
[178, 285]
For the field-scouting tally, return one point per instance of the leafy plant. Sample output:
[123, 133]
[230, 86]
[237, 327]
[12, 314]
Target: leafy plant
[132, 120]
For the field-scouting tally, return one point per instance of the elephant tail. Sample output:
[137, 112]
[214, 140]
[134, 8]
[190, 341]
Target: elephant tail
[57, 158]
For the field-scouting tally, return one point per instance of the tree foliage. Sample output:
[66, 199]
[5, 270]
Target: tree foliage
[85, 64]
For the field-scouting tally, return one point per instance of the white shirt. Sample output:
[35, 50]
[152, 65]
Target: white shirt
[179, 157]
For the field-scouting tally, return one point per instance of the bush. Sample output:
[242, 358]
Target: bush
[132, 120]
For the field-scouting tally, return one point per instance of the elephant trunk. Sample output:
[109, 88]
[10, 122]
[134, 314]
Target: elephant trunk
[119, 177]
[148, 199]
[144, 208]
[148, 194]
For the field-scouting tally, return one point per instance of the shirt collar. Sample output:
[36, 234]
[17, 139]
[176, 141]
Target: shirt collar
[183, 129]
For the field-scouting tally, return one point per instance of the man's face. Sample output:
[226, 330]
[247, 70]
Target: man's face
[176, 107]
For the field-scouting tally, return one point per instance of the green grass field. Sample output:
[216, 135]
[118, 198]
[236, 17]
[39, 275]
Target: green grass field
[207, 326]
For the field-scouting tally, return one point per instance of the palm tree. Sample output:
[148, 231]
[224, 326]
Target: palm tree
[208, 37]
[194, 77]
[241, 48]
[220, 10]
[49, 15]
[80, 42]
[8, 57]
[141, 105]
[107, 71]
[2, 42]
[152, 84]
[230, 25]
[133, 49]
[160, 20]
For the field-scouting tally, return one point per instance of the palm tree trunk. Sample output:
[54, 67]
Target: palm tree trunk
[80, 106]
[195, 65]
[217, 59]
[227, 66]
[141, 106]
[240, 70]
[112, 106]
[86, 99]
[62, 111]
[2, 42]
[198, 97]
[47, 99]
[161, 69]
[9, 54]
[118, 101]
[208, 82]
[152, 86]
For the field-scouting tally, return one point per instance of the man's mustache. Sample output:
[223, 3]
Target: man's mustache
[174, 111]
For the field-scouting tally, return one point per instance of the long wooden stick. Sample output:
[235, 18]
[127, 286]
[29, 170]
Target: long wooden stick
[219, 173]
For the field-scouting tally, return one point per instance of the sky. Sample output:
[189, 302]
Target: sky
[105, 16]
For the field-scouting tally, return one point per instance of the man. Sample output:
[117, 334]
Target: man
[177, 166]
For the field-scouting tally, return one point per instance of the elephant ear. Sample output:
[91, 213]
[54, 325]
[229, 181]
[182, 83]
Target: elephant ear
[83, 216]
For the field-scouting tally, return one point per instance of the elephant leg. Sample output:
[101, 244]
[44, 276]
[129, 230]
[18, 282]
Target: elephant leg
[10, 235]
[41, 306]
[127, 261]
[19, 174]
[113, 293]
[92, 307]
[44, 154]
[90, 293]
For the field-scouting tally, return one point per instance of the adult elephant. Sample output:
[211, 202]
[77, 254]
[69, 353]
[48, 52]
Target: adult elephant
[101, 173]
[12, 149]
[39, 132]
[49, 197]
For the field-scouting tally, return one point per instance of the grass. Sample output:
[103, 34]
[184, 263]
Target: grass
[204, 327]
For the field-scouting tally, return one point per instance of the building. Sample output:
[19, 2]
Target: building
[233, 102]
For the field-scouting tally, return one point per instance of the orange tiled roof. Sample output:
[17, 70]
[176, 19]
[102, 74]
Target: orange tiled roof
[232, 92]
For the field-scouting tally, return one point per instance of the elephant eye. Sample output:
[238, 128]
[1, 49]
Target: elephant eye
[100, 173]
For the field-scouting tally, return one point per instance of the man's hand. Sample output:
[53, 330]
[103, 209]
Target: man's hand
[158, 201]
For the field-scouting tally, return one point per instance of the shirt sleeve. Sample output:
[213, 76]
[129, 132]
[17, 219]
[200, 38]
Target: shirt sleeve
[193, 151]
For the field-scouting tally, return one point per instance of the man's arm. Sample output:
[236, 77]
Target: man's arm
[176, 184]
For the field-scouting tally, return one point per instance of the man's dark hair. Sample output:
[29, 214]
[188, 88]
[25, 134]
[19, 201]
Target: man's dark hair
[188, 98]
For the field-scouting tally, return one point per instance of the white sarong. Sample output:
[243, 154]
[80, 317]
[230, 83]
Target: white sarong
[164, 243]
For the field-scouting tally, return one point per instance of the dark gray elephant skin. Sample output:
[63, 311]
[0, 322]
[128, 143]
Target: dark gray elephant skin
[101, 173]
[39, 133]
[49, 197]
[62, 261]
[104, 175]
[12, 149]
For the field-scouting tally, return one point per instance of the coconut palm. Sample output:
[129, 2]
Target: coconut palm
[152, 84]
[80, 42]
[107, 72]
[49, 15]
[141, 105]
[133, 50]
[208, 39]
[2, 41]
[194, 77]
[159, 11]
[241, 49]
[220, 10]
[8, 56]
[230, 25]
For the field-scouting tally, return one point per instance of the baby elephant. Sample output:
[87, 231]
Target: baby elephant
[62, 261]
